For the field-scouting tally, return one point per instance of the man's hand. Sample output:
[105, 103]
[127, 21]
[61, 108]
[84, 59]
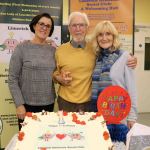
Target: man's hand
[52, 43]
[21, 112]
[64, 78]
[132, 61]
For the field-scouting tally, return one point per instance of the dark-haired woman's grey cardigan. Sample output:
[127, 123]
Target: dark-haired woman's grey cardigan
[30, 74]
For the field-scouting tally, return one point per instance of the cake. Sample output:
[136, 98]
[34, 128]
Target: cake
[63, 131]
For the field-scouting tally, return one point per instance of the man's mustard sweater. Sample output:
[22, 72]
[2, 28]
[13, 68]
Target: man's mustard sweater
[80, 62]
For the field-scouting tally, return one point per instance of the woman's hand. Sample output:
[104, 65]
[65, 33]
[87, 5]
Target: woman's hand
[21, 112]
[130, 124]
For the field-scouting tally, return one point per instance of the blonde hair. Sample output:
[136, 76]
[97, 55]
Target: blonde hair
[76, 13]
[101, 27]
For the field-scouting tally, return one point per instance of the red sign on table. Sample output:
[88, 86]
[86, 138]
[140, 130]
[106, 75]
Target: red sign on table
[114, 103]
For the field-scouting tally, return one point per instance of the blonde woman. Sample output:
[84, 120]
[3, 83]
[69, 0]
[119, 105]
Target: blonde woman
[111, 67]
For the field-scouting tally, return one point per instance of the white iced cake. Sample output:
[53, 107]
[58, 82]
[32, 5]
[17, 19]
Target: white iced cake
[63, 131]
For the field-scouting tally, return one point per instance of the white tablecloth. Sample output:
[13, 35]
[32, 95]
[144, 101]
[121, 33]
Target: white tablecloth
[138, 138]
[12, 143]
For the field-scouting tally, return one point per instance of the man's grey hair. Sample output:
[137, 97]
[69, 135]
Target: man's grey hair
[73, 14]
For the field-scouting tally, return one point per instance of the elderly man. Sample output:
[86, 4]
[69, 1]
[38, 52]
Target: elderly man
[75, 63]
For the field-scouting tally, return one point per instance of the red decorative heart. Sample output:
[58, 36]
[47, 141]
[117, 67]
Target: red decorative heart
[60, 136]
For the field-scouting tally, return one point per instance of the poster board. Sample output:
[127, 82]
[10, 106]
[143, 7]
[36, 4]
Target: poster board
[119, 12]
[14, 19]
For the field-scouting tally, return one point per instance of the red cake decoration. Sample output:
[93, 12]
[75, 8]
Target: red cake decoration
[29, 114]
[20, 136]
[106, 135]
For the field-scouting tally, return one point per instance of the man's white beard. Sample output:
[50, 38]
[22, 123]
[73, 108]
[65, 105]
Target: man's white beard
[80, 39]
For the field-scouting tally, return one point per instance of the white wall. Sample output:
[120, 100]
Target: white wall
[142, 11]
[143, 84]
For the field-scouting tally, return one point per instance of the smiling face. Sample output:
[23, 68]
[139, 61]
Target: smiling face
[105, 40]
[105, 36]
[42, 29]
[78, 28]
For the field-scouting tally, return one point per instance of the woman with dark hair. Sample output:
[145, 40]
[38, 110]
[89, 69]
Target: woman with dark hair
[31, 68]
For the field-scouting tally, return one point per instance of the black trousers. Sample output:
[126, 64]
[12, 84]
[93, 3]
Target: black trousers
[30, 108]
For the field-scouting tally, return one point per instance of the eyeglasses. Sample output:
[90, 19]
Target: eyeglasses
[42, 25]
[80, 25]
